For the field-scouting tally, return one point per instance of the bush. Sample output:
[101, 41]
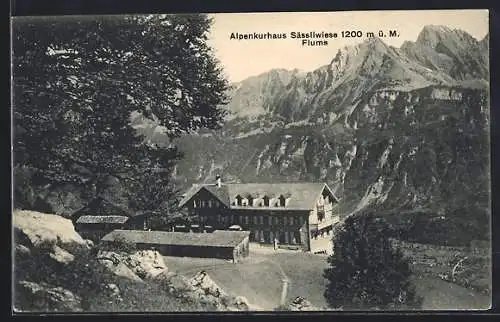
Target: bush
[119, 245]
[365, 271]
[457, 227]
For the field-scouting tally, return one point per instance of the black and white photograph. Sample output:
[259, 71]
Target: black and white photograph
[251, 162]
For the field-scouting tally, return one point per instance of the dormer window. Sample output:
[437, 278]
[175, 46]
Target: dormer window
[244, 202]
[250, 201]
[238, 200]
[266, 201]
[281, 201]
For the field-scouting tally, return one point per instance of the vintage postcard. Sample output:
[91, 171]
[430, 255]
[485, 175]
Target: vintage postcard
[328, 161]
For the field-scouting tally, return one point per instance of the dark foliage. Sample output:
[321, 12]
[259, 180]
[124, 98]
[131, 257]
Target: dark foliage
[365, 271]
[88, 279]
[456, 227]
[79, 80]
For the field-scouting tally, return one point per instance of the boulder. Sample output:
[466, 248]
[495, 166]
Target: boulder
[147, 263]
[239, 303]
[60, 255]
[89, 243]
[301, 304]
[118, 267]
[22, 250]
[44, 297]
[203, 284]
[114, 291]
[42, 230]
[144, 264]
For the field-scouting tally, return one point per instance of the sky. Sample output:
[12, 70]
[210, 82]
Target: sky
[244, 58]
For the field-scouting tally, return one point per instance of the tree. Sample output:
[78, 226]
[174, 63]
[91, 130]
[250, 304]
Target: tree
[78, 81]
[365, 271]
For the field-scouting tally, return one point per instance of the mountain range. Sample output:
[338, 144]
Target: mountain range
[385, 127]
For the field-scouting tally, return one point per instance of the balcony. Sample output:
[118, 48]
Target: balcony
[328, 221]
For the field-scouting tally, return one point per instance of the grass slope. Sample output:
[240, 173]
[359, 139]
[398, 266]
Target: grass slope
[259, 278]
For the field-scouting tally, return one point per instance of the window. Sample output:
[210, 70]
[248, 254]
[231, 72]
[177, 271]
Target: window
[266, 201]
[255, 220]
[276, 220]
[194, 203]
[282, 201]
[284, 220]
[250, 201]
[291, 220]
[238, 200]
[256, 236]
[262, 220]
[203, 204]
[210, 202]
[269, 218]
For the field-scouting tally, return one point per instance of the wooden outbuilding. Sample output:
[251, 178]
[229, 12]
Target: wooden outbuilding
[231, 245]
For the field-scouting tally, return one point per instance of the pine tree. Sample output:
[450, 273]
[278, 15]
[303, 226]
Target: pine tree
[365, 271]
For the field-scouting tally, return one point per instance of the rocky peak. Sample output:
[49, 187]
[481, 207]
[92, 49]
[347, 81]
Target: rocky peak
[432, 34]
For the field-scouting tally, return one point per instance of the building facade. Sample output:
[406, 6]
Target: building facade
[101, 216]
[294, 214]
[96, 227]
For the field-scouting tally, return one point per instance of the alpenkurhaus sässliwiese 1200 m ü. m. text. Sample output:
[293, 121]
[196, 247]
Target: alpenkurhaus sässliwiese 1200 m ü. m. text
[312, 38]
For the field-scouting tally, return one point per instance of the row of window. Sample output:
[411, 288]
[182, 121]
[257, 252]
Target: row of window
[265, 201]
[239, 201]
[206, 204]
[257, 219]
[269, 237]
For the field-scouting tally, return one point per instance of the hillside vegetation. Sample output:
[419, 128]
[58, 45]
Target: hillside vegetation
[55, 270]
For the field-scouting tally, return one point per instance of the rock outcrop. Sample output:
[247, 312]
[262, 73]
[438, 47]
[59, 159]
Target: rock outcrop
[45, 230]
[143, 264]
[301, 304]
[149, 265]
[203, 289]
[45, 297]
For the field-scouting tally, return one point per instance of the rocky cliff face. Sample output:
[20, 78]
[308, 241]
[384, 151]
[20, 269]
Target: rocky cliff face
[453, 52]
[392, 127]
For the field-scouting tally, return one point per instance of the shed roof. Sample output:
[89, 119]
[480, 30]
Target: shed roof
[100, 206]
[218, 238]
[302, 195]
[102, 220]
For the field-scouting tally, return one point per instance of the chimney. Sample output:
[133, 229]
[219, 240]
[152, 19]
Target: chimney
[218, 180]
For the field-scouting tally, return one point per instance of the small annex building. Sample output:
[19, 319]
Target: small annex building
[101, 216]
[232, 245]
[96, 227]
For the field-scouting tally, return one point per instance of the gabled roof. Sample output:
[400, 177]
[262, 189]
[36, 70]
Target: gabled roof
[218, 238]
[100, 206]
[302, 195]
[102, 220]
